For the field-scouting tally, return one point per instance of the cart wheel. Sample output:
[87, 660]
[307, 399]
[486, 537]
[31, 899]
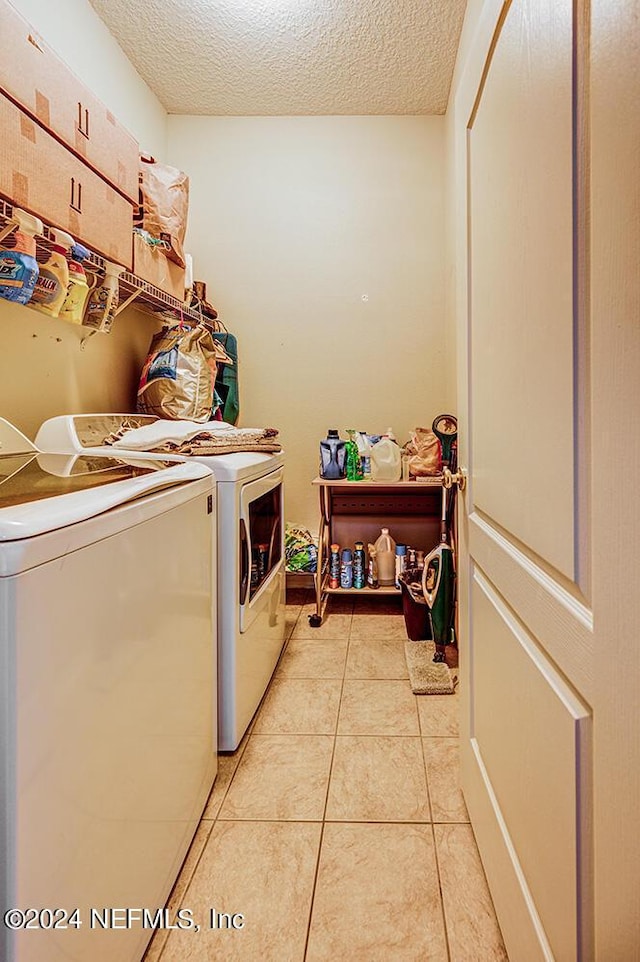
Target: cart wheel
[315, 621]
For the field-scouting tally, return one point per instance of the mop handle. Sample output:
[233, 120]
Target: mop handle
[443, 518]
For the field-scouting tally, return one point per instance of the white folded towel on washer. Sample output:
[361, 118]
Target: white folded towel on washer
[165, 435]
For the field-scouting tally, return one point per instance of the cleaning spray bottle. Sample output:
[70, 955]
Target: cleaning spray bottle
[51, 286]
[78, 288]
[354, 464]
[18, 265]
[103, 301]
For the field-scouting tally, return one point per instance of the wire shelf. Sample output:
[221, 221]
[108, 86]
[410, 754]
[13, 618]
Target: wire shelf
[134, 290]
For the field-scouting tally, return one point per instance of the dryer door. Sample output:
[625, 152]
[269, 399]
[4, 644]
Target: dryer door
[261, 541]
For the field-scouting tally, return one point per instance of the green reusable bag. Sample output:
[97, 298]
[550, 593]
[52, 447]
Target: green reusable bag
[226, 385]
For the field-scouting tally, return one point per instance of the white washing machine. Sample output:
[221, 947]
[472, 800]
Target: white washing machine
[249, 539]
[107, 749]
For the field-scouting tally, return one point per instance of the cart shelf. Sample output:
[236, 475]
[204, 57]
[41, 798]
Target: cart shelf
[382, 590]
[356, 511]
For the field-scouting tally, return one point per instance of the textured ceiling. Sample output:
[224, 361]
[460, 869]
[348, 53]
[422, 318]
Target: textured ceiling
[287, 57]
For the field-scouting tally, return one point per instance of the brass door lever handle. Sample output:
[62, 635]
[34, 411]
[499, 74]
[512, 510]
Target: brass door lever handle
[459, 478]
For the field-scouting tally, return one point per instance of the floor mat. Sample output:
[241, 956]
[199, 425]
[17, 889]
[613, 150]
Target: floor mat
[426, 676]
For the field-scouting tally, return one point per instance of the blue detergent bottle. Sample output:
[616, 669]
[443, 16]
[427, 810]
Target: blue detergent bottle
[333, 457]
[18, 265]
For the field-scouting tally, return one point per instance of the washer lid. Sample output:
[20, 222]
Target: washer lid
[13, 441]
[77, 432]
[44, 492]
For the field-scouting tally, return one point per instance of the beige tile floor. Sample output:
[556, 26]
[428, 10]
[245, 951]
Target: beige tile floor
[338, 830]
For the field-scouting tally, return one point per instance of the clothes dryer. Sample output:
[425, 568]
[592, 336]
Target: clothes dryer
[248, 536]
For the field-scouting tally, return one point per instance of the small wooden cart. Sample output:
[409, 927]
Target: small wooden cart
[356, 511]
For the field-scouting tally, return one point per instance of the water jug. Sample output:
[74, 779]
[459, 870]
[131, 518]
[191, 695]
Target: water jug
[332, 457]
[386, 557]
[386, 461]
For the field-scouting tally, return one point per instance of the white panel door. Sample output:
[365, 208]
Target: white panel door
[547, 132]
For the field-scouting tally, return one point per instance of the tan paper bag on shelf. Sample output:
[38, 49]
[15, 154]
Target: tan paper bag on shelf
[164, 206]
[424, 452]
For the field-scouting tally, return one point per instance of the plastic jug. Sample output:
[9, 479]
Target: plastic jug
[78, 287]
[386, 461]
[332, 457]
[51, 286]
[386, 557]
[18, 265]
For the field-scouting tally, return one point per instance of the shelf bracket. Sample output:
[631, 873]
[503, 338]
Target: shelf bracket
[120, 308]
[5, 231]
[18, 219]
[84, 339]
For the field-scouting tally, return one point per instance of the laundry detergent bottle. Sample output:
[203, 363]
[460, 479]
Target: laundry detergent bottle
[77, 289]
[332, 457]
[53, 279]
[103, 301]
[18, 265]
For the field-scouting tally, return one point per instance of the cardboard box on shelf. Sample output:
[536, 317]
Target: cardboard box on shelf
[151, 265]
[40, 175]
[37, 79]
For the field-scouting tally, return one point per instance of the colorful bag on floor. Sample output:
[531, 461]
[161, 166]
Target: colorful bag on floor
[178, 376]
[300, 548]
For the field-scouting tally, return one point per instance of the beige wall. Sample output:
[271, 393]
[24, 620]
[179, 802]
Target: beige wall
[292, 222]
[43, 370]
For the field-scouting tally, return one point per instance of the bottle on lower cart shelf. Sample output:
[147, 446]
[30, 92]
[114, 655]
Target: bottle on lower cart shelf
[334, 566]
[385, 557]
[372, 570]
[401, 558]
[346, 568]
[359, 565]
